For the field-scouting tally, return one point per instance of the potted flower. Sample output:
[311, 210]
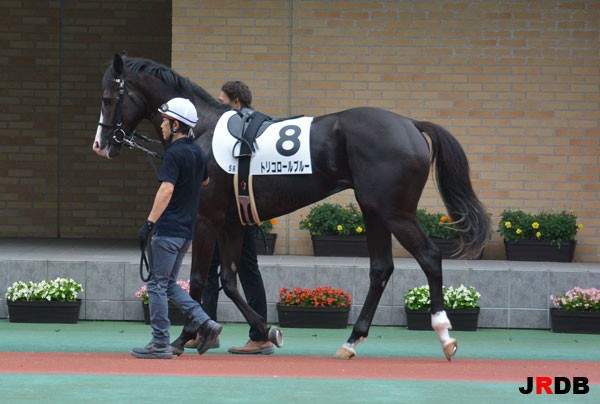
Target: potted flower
[175, 315]
[265, 240]
[577, 311]
[44, 302]
[539, 237]
[461, 304]
[322, 307]
[336, 230]
[439, 228]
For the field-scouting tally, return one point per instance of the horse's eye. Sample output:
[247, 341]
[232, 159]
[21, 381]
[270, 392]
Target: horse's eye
[107, 102]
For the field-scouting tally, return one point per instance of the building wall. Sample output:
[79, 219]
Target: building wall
[517, 82]
[53, 58]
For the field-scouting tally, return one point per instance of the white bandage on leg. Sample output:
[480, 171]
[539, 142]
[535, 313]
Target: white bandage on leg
[350, 346]
[441, 324]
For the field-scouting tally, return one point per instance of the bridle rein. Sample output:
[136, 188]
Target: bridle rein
[120, 136]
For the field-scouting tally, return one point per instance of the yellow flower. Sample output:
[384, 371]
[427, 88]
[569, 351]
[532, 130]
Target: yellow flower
[339, 227]
[309, 224]
[535, 225]
[508, 225]
[519, 231]
[359, 229]
[538, 234]
[571, 212]
[580, 226]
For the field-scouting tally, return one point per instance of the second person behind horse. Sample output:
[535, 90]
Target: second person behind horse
[238, 96]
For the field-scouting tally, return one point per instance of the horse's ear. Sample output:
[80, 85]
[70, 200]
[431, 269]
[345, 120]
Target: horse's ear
[118, 64]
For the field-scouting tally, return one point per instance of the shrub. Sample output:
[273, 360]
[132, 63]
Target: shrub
[436, 224]
[333, 219]
[517, 225]
[142, 292]
[267, 225]
[578, 299]
[60, 289]
[324, 296]
[462, 297]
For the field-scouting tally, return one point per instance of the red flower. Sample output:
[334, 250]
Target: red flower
[318, 297]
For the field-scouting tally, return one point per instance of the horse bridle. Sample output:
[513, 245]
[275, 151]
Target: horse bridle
[120, 136]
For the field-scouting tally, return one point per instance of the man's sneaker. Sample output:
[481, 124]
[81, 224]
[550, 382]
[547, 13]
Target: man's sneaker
[209, 332]
[153, 351]
[253, 348]
[194, 343]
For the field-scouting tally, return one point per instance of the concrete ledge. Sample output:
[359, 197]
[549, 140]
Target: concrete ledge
[514, 294]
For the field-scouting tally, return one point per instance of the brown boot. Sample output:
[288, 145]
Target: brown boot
[253, 348]
[193, 343]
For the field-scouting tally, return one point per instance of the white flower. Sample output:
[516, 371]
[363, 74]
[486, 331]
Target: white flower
[57, 289]
[455, 298]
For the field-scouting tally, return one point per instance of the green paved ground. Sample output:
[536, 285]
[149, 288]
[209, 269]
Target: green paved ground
[185, 389]
[383, 341]
[108, 336]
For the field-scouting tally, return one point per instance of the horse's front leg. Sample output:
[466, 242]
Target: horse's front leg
[202, 251]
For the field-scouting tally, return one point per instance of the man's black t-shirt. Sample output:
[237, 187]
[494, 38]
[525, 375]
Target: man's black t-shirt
[184, 165]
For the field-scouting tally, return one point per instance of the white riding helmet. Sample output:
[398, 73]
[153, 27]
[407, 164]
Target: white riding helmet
[180, 109]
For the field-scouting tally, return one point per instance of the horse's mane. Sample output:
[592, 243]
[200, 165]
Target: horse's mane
[166, 75]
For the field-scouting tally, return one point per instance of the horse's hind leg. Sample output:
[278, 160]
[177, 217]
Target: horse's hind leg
[381, 268]
[411, 236]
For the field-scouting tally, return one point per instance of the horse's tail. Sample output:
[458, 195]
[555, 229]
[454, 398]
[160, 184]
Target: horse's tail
[454, 183]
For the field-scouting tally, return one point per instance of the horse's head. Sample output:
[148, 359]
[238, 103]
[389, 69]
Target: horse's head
[120, 113]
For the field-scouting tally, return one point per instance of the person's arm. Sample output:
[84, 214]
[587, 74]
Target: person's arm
[161, 200]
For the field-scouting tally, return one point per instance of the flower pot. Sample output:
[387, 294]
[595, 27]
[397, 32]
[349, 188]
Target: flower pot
[579, 322]
[461, 319]
[340, 246]
[539, 250]
[176, 316]
[270, 240]
[312, 317]
[448, 247]
[21, 311]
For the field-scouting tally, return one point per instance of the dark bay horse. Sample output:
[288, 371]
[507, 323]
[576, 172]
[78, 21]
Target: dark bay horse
[383, 156]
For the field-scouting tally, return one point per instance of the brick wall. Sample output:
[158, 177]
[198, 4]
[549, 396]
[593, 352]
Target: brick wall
[53, 58]
[517, 82]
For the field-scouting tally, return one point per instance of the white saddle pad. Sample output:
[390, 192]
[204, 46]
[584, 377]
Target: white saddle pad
[283, 148]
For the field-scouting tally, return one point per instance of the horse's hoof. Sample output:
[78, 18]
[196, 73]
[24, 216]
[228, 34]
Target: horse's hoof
[450, 349]
[176, 350]
[276, 336]
[345, 353]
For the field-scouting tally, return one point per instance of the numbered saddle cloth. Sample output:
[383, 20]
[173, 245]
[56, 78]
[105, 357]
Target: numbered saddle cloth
[281, 147]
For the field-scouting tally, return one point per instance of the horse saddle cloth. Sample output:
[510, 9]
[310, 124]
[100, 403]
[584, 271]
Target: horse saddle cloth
[281, 147]
[249, 143]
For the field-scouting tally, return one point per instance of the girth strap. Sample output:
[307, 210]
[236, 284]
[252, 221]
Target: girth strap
[243, 180]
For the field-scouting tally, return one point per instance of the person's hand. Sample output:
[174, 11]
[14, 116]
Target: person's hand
[145, 232]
